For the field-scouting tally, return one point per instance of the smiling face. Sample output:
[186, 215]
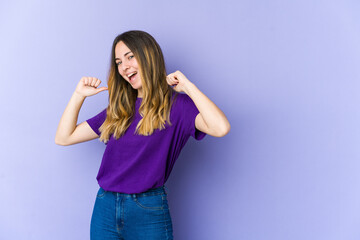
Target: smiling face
[128, 66]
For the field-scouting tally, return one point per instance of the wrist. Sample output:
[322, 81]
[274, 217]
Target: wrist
[78, 95]
[188, 88]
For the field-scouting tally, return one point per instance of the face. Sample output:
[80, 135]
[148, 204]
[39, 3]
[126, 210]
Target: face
[128, 66]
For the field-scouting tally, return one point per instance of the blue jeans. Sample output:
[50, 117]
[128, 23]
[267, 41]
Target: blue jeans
[131, 216]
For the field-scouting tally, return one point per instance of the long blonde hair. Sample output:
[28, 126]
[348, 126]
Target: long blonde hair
[157, 94]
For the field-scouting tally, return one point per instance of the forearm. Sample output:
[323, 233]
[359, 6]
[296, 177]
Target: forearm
[213, 117]
[69, 118]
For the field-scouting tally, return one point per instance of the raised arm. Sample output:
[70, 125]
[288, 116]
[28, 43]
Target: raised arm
[211, 120]
[68, 132]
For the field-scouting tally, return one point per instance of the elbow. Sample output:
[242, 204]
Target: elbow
[60, 142]
[223, 130]
[226, 130]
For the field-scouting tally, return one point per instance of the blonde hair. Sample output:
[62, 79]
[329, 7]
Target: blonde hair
[157, 94]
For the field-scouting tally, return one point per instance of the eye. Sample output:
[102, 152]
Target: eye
[130, 57]
[118, 63]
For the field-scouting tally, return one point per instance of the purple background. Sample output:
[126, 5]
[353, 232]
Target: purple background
[286, 74]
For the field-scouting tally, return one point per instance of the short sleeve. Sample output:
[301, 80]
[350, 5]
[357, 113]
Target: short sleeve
[96, 121]
[189, 113]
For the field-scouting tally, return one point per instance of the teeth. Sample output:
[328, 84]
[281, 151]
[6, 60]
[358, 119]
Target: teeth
[131, 74]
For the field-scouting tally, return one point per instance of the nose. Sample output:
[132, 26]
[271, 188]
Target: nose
[124, 66]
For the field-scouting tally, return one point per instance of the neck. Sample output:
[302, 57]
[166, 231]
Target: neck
[139, 93]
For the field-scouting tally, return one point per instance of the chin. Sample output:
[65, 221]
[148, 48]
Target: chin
[135, 87]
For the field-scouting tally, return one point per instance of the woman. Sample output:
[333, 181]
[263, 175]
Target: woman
[145, 126]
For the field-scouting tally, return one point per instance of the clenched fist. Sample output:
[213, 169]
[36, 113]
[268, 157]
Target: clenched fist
[88, 86]
[178, 81]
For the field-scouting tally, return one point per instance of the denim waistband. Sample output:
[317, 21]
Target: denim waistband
[150, 192]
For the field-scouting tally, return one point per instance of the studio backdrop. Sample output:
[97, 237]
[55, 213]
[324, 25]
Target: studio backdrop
[285, 73]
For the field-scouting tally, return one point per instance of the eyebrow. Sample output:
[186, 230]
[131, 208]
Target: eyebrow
[124, 55]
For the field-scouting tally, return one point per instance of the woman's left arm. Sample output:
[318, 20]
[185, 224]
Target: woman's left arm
[211, 120]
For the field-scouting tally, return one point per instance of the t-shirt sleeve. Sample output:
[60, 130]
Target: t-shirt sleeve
[190, 112]
[96, 121]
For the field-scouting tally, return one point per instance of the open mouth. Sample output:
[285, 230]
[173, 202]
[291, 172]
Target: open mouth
[131, 76]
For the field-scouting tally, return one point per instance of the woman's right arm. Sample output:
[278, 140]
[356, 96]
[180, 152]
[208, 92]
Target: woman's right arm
[68, 132]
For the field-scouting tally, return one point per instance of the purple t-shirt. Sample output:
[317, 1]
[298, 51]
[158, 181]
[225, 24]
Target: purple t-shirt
[135, 163]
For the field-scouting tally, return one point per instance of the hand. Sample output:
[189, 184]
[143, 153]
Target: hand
[178, 80]
[88, 86]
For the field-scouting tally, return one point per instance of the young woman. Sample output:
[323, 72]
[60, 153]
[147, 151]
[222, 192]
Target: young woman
[149, 119]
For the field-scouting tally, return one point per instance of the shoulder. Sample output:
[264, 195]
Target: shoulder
[177, 107]
[184, 105]
[99, 115]
[182, 99]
